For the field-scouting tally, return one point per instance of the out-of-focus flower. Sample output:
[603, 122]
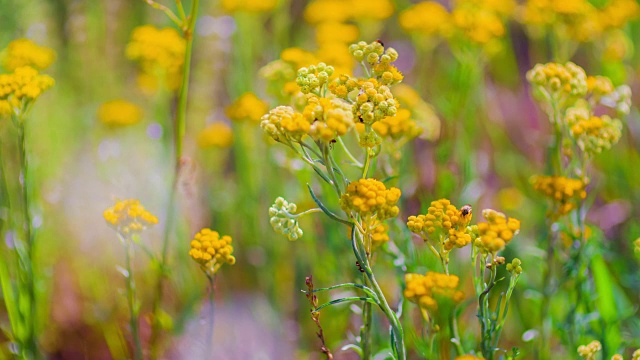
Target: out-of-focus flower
[369, 197]
[160, 54]
[590, 350]
[557, 79]
[255, 6]
[592, 133]
[496, 232]
[211, 250]
[119, 113]
[428, 18]
[218, 134]
[24, 52]
[432, 289]
[285, 124]
[332, 32]
[20, 88]
[563, 191]
[247, 107]
[128, 217]
[469, 357]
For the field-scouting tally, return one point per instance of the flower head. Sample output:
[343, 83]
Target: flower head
[253, 6]
[283, 219]
[427, 18]
[559, 80]
[218, 134]
[211, 250]
[432, 289]
[443, 224]
[119, 113]
[328, 118]
[20, 88]
[24, 52]
[129, 217]
[590, 350]
[247, 107]
[496, 232]
[564, 192]
[285, 124]
[592, 133]
[311, 79]
[370, 197]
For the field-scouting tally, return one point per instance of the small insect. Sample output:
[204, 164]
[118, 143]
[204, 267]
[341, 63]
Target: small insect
[465, 210]
[380, 41]
[359, 266]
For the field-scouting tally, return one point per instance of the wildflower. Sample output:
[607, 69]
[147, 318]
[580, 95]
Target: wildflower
[252, 6]
[619, 99]
[297, 57]
[333, 32]
[160, 54]
[129, 217]
[589, 351]
[496, 232]
[379, 236]
[312, 78]
[247, 107]
[428, 18]
[363, 10]
[337, 54]
[477, 24]
[24, 52]
[599, 85]
[284, 124]
[319, 11]
[617, 357]
[283, 219]
[369, 198]
[593, 133]
[432, 289]
[20, 88]
[563, 191]
[398, 126]
[374, 102]
[559, 80]
[217, 134]
[211, 250]
[636, 355]
[515, 266]
[119, 113]
[468, 357]
[617, 13]
[373, 53]
[328, 118]
[443, 224]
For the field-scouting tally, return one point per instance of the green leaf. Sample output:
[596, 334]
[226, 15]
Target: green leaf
[325, 209]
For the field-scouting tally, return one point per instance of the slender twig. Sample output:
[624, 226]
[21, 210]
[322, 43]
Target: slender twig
[210, 317]
[131, 297]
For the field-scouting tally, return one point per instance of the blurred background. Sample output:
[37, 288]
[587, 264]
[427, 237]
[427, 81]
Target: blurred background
[482, 137]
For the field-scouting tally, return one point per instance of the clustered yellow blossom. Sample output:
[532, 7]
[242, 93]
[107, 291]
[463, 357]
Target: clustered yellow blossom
[401, 125]
[427, 18]
[469, 357]
[496, 232]
[422, 113]
[379, 236]
[247, 107]
[320, 11]
[636, 355]
[252, 6]
[329, 118]
[216, 135]
[24, 52]
[592, 133]
[431, 289]
[599, 85]
[564, 192]
[160, 54]
[129, 217]
[211, 250]
[370, 197]
[559, 80]
[477, 23]
[375, 102]
[283, 219]
[590, 350]
[119, 113]
[20, 88]
[285, 124]
[444, 224]
[311, 79]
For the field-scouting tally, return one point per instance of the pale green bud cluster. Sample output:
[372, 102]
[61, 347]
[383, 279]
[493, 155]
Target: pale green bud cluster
[283, 219]
[620, 99]
[375, 102]
[515, 267]
[311, 79]
[593, 134]
[557, 79]
[373, 53]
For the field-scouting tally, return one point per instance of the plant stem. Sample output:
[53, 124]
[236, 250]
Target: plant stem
[210, 317]
[131, 297]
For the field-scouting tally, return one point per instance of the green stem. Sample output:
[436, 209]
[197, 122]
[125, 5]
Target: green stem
[131, 297]
[365, 331]
[483, 309]
[328, 163]
[210, 316]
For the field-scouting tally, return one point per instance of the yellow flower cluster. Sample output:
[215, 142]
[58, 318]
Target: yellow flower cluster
[129, 216]
[160, 54]
[119, 113]
[636, 355]
[369, 197]
[247, 107]
[216, 135]
[379, 236]
[469, 357]
[444, 224]
[399, 126]
[252, 6]
[563, 191]
[311, 79]
[479, 24]
[590, 350]
[338, 11]
[427, 18]
[599, 85]
[335, 32]
[20, 88]
[428, 290]
[24, 52]
[211, 250]
[422, 113]
[557, 79]
[496, 232]
[284, 124]
[593, 133]
[281, 73]
[375, 102]
[329, 118]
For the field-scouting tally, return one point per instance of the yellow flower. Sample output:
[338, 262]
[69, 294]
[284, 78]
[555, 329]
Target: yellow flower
[370, 197]
[371, 9]
[593, 133]
[211, 250]
[330, 32]
[160, 54]
[217, 134]
[119, 113]
[590, 350]
[564, 192]
[24, 52]
[256, 6]
[599, 85]
[469, 357]
[432, 289]
[20, 88]
[617, 13]
[285, 124]
[129, 216]
[496, 232]
[379, 236]
[398, 126]
[428, 18]
[247, 107]
[328, 118]
[443, 224]
[298, 57]
[319, 11]
[374, 102]
[477, 24]
[559, 80]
